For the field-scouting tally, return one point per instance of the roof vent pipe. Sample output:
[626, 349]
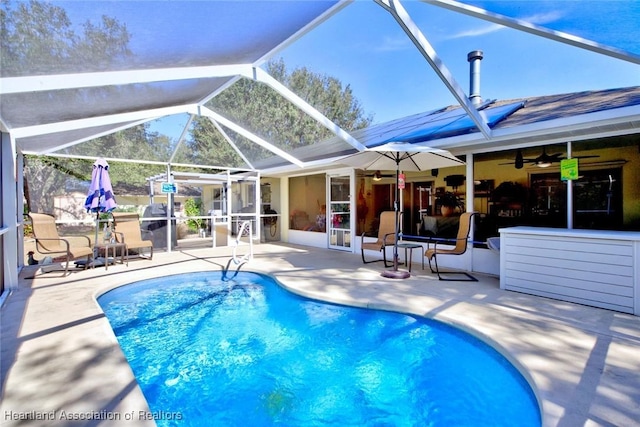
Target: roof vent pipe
[474, 58]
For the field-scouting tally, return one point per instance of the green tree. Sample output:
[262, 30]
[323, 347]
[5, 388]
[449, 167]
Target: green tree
[133, 143]
[266, 113]
[46, 177]
[38, 37]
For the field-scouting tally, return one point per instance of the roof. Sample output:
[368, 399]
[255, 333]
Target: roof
[539, 121]
[54, 106]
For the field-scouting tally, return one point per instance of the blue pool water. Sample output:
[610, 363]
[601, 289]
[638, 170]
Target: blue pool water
[208, 352]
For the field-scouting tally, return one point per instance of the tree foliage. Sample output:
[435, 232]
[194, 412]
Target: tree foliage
[38, 37]
[46, 177]
[137, 142]
[262, 110]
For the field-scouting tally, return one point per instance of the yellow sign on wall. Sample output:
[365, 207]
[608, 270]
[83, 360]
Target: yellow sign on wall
[569, 169]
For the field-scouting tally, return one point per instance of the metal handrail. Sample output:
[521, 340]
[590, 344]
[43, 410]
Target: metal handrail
[245, 229]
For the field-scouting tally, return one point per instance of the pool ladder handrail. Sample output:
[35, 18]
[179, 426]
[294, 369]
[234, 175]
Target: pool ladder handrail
[244, 229]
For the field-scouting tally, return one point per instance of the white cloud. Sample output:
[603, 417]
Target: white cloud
[393, 44]
[491, 28]
[543, 18]
[537, 19]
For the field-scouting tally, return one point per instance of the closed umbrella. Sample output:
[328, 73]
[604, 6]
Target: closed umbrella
[405, 156]
[100, 197]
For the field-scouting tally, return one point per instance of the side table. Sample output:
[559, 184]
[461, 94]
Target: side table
[115, 245]
[411, 247]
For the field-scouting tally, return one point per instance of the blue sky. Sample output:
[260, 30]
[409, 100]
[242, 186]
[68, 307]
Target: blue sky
[364, 47]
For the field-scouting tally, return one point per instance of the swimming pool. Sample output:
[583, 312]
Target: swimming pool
[248, 352]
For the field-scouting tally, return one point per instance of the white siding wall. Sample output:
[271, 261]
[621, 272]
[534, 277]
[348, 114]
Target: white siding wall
[597, 268]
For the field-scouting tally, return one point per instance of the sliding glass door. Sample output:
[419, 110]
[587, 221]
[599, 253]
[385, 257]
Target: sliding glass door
[339, 212]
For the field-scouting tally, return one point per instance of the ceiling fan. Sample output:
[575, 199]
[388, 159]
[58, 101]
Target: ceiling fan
[544, 160]
[377, 175]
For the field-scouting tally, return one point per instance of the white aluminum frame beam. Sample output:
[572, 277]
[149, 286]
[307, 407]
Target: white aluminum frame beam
[249, 135]
[181, 139]
[85, 80]
[395, 8]
[11, 85]
[262, 76]
[530, 28]
[233, 145]
[304, 30]
[144, 115]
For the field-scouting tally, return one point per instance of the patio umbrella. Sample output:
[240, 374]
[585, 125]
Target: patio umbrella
[394, 155]
[100, 197]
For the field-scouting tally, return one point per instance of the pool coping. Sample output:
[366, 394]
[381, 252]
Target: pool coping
[581, 361]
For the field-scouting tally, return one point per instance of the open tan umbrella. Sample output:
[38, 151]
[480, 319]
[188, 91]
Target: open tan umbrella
[405, 156]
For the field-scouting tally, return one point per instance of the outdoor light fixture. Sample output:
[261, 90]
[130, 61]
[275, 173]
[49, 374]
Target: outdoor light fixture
[377, 176]
[543, 164]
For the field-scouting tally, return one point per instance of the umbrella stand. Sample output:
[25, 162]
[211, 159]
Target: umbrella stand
[395, 273]
[97, 261]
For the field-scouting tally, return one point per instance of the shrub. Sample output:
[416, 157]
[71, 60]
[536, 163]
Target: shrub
[192, 207]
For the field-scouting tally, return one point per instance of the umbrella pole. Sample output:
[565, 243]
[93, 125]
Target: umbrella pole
[96, 252]
[95, 241]
[395, 273]
[396, 207]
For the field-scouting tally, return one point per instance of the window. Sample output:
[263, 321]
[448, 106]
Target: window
[307, 203]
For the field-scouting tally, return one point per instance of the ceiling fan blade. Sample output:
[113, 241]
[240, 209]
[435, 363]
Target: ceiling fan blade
[519, 162]
[557, 157]
[543, 158]
[381, 175]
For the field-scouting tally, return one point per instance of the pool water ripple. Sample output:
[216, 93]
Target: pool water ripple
[248, 352]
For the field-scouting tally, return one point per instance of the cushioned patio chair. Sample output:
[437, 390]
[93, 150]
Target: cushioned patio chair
[386, 237]
[128, 231]
[461, 244]
[49, 242]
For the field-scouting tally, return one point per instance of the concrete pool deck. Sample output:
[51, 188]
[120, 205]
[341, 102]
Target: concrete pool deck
[60, 359]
